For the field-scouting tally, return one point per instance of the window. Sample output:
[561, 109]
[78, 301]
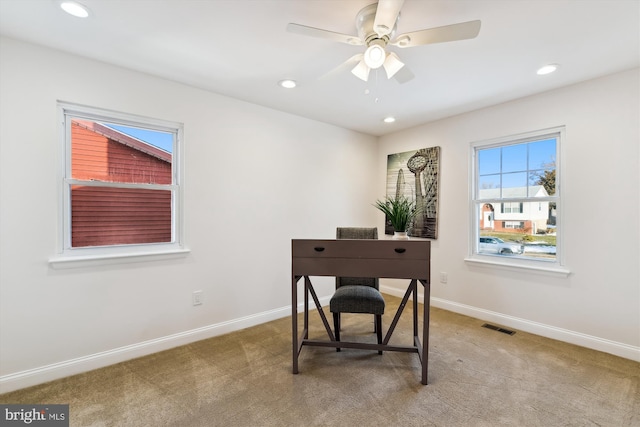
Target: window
[511, 207]
[513, 224]
[515, 199]
[121, 181]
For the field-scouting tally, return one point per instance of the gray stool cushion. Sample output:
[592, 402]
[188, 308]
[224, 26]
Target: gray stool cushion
[357, 299]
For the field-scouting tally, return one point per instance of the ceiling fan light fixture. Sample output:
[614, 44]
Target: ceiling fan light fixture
[392, 64]
[361, 71]
[375, 56]
[376, 25]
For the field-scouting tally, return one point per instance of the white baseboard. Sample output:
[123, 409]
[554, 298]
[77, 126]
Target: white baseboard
[572, 337]
[79, 365]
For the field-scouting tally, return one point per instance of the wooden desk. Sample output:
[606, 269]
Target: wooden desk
[398, 259]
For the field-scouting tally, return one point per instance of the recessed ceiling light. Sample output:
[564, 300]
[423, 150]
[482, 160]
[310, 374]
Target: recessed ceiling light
[389, 119]
[287, 84]
[75, 9]
[547, 69]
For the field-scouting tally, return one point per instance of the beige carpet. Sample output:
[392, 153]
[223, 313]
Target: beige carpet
[477, 377]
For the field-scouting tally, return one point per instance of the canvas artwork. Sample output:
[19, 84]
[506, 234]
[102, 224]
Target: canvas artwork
[415, 175]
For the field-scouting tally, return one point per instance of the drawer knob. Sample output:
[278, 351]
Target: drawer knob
[318, 249]
[400, 250]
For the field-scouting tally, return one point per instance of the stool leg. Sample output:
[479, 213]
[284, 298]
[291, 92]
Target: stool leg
[336, 326]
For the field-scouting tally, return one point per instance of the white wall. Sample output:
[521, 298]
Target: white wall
[598, 304]
[255, 179]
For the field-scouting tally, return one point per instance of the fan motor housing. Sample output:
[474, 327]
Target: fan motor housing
[364, 24]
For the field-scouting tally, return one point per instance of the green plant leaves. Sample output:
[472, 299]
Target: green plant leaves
[399, 210]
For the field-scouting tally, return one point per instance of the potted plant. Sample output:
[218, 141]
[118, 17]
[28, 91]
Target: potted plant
[400, 211]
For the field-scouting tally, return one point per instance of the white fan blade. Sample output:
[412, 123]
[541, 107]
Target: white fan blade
[346, 65]
[448, 33]
[361, 71]
[324, 34]
[392, 64]
[386, 16]
[404, 75]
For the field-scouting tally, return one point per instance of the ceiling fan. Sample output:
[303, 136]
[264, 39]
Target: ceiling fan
[376, 25]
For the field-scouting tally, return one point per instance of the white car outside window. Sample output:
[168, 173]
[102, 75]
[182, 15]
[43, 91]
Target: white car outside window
[495, 245]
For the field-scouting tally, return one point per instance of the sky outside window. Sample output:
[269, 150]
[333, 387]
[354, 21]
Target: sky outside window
[515, 166]
[162, 140]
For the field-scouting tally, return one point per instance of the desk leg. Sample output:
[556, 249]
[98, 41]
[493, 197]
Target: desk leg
[294, 321]
[415, 310]
[425, 330]
[306, 307]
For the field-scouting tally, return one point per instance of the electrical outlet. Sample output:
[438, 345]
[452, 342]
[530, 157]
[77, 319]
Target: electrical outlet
[443, 277]
[197, 297]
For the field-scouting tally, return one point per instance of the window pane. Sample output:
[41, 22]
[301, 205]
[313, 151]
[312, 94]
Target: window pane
[514, 229]
[537, 190]
[489, 161]
[162, 140]
[542, 166]
[543, 183]
[514, 158]
[542, 154]
[514, 185]
[102, 153]
[114, 216]
[489, 187]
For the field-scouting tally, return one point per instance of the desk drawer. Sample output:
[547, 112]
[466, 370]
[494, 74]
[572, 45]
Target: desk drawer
[362, 249]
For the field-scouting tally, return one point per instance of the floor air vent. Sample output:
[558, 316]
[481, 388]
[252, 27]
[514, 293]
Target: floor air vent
[498, 328]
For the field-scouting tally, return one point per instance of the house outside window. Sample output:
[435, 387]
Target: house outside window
[513, 224]
[515, 199]
[121, 186]
[511, 207]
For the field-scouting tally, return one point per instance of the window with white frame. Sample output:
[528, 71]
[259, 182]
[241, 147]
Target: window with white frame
[515, 198]
[121, 185]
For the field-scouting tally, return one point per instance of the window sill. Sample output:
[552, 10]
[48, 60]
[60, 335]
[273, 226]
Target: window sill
[75, 261]
[551, 269]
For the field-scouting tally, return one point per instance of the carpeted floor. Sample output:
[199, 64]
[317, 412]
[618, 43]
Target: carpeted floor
[477, 377]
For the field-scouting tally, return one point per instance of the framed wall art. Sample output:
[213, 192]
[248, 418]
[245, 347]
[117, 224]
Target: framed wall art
[415, 175]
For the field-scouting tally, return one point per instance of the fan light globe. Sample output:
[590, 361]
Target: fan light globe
[374, 56]
[392, 64]
[361, 71]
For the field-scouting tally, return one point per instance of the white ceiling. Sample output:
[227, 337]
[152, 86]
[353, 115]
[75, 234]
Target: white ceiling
[240, 48]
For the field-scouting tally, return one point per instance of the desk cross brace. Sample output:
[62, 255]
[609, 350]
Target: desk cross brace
[420, 346]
